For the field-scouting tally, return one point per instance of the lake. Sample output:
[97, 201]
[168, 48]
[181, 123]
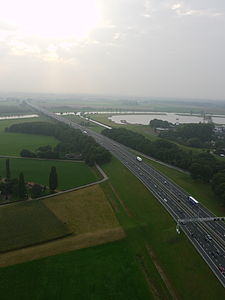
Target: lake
[174, 118]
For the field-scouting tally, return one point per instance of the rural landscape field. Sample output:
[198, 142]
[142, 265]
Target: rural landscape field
[112, 150]
[109, 238]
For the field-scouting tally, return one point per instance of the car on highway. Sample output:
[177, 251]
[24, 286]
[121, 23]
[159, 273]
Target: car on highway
[221, 268]
[165, 199]
[209, 237]
[219, 252]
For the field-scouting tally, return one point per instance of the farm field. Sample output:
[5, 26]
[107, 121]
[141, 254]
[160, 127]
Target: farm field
[13, 108]
[125, 269]
[70, 174]
[103, 272]
[153, 250]
[84, 210]
[106, 103]
[28, 223]
[13, 143]
[148, 226]
[85, 213]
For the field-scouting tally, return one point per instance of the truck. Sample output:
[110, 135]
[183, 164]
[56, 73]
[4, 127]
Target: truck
[193, 200]
[139, 158]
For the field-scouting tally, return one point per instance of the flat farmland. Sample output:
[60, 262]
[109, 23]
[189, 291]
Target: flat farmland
[70, 174]
[98, 273]
[86, 214]
[13, 143]
[28, 223]
[84, 210]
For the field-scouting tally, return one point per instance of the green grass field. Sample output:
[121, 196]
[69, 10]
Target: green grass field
[117, 266]
[13, 143]
[98, 273]
[70, 174]
[115, 270]
[146, 222]
[29, 223]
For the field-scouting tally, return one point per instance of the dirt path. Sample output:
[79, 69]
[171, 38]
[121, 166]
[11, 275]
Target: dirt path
[61, 246]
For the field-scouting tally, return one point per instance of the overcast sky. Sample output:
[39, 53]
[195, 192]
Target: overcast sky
[160, 48]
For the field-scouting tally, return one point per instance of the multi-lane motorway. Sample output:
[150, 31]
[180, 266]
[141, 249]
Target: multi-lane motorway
[207, 237]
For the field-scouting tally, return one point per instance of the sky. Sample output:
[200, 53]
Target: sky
[153, 48]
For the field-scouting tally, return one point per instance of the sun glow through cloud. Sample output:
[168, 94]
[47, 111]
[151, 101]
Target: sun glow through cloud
[52, 18]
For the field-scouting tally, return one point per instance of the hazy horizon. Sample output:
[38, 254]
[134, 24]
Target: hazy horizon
[120, 48]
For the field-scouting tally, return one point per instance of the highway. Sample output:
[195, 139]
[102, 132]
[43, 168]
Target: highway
[207, 237]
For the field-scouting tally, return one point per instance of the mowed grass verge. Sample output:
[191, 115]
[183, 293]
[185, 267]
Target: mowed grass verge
[13, 143]
[147, 224]
[70, 173]
[28, 223]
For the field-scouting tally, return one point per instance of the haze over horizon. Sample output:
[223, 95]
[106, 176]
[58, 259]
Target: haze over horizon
[152, 48]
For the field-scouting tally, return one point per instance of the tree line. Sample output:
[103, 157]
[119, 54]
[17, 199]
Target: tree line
[194, 135]
[203, 167]
[71, 141]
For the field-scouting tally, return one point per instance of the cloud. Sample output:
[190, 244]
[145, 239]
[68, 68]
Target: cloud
[183, 10]
[4, 26]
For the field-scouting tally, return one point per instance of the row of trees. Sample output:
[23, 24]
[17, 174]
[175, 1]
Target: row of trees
[203, 166]
[71, 141]
[19, 189]
[194, 135]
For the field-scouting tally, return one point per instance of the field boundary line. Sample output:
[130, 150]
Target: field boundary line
[123, 205]
[161, 273]
[144, 269]
[36, 158]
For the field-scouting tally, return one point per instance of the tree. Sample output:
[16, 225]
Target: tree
[7, 166]
[22, 191]
[53, 179]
